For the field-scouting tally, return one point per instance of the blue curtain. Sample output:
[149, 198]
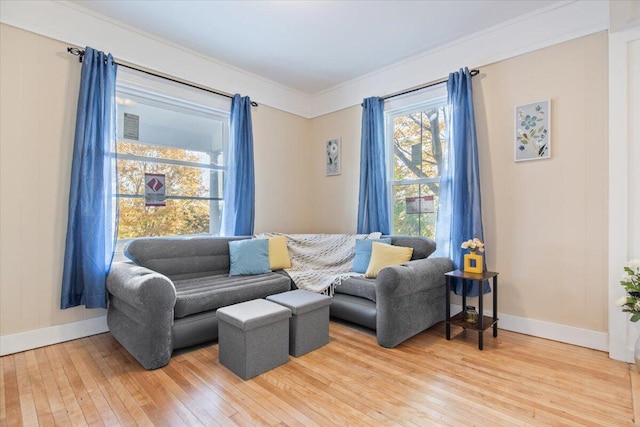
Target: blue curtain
[459, 208]
[239, 186]
[92, 223]
[373, 206]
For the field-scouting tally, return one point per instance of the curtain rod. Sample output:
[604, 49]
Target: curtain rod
[80, 54]
[473, 72]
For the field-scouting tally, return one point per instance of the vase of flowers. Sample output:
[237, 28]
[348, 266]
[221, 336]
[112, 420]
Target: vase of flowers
[473, 261]
[630, 303]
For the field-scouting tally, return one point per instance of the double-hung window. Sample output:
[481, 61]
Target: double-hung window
[179, 143]
[416, 140]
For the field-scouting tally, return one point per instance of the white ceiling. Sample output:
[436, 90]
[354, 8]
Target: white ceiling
[312, 46]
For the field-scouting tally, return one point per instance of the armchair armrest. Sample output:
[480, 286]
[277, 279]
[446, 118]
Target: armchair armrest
[140, 312]
[410, 298]
[411, 277]
[140, 287]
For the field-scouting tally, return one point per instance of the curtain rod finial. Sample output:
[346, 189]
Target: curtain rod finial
[77, 52]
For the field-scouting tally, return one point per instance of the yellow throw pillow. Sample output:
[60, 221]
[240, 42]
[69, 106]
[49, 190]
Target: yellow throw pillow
[278, 253]
[383, 255]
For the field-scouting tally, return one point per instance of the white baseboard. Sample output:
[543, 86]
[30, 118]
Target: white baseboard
[552, 331]
[29, 340]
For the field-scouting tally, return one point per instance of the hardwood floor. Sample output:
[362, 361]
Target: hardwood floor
[516, 380]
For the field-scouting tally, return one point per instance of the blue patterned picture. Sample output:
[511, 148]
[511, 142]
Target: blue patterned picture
[533, 131]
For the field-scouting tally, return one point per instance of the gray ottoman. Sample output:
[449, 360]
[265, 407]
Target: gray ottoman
[309, 325]
[253, 337]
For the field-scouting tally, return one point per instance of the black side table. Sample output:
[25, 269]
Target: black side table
[484, 322]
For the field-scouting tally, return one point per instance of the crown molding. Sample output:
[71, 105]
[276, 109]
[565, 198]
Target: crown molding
[75, 25]
[560, 22]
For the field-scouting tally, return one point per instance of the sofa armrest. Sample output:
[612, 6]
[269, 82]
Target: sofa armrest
[140, 287]
[411, 277]
[140, 312]
[410, 298]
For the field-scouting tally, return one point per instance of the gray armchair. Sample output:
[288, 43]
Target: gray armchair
[403, 300]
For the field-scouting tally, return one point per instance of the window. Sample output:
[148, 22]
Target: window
[416, 137]
[183, 143]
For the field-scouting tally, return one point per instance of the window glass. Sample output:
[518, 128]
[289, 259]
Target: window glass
[183, 144]
[416, 137]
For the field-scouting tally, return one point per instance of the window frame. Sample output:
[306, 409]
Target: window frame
[161, 93]
[432, 97]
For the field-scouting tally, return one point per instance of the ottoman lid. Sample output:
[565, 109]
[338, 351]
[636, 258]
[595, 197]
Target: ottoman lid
[300, 301]
[253, 314]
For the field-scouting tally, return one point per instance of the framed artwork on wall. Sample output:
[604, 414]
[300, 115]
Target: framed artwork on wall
[532, 139]
[332, 160]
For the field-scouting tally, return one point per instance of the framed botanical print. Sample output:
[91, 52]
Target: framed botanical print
[332, 160]
[532, 140]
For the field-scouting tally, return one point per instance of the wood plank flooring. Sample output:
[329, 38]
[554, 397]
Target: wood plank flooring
[517, 380]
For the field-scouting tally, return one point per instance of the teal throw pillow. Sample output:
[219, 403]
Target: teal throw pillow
[363, 253]
[249, 257]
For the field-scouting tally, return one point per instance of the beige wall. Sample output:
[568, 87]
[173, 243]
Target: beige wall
[335, 198]
[38, 95]
[39, 89]
[545, 221]
[282, 163]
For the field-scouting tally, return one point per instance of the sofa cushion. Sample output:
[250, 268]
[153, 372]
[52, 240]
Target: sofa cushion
[182, 257]
[359, 287]
[353, 309]
[383, 255]
[422, 246]
[249, 257]
[209, 293]
[363, 253]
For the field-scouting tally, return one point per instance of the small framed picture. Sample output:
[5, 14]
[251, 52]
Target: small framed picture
[532, 139]
[333, 160]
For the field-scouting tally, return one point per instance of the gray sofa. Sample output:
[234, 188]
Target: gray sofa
[403, 300]
[166, 297]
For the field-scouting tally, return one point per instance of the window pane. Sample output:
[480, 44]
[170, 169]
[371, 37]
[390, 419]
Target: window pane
[171, 123]
[414, 224]
[177, 217]
[418, 142]
[145, 150]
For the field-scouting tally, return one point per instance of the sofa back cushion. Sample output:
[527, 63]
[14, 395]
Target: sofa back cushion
[182, 258]
[422, 246]
[358, 287]
[189, 257]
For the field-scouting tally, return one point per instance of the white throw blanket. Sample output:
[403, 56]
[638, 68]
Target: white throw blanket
[319, 262]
